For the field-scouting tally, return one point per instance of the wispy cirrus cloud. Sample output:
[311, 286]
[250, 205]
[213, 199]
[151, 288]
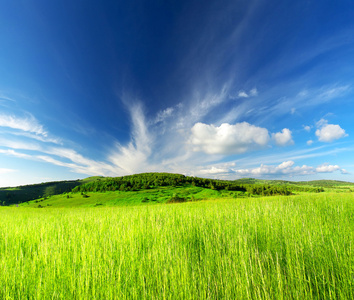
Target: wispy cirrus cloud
[134, 157]
[285, 99]
[14, 153]
[36, 146]
[27, 124]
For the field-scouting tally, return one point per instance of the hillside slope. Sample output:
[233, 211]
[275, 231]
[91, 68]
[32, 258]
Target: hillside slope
[15, 195]
[147, 183]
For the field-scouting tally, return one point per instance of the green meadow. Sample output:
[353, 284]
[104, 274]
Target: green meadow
[117, 245]
[119, 198]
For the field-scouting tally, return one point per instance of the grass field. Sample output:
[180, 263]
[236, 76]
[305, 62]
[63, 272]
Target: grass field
[296, 247]
[117, 198]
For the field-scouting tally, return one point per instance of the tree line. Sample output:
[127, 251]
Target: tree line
[155, 180]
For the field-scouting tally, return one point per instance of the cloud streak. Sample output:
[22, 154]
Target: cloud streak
[134, 157]
[27, 124]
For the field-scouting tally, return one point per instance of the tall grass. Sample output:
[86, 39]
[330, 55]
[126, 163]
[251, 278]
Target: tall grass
[266, 248]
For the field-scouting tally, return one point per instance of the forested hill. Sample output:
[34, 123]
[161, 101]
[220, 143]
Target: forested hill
[146, 181]
[155, 180]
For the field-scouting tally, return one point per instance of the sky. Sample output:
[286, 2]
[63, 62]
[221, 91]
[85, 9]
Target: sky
[217, 89]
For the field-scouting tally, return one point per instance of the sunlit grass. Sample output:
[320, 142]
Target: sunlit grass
[297, 247]
[117, 198]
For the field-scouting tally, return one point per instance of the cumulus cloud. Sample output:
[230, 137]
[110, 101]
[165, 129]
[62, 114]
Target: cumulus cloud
[214, 171]
[252, 93]
[329, 132]
[309, 142]
[327, 168]
[242, 94]
[227, 138]
[288, 168]
[285, 168]
[283, 138]
[286, 165]
[307, 128]
[218, 169]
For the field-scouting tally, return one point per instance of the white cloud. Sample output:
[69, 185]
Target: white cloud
[283, 138]
[202, 105]
[344, 171]
[334, 92]
[299, 102]
[307, 128]
[219, 169]
[6, 98]
[285, 168]
[164, 114]
[27, 124]
[214, 171]
[227, 138]
[329, 132]
[133, 158]
[321, 123]
[252, 93]
[44, 139]
[286, 165]
[327, 168]
[309, 142]
[78, 163]
[124, 159]
[28, 127]
[15, 153]
[288, 168]
[242, 94]
[16, 144]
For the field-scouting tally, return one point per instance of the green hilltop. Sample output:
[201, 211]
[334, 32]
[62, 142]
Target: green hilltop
[154, 188]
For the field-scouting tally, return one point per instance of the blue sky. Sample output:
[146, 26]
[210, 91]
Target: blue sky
[220, 89]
